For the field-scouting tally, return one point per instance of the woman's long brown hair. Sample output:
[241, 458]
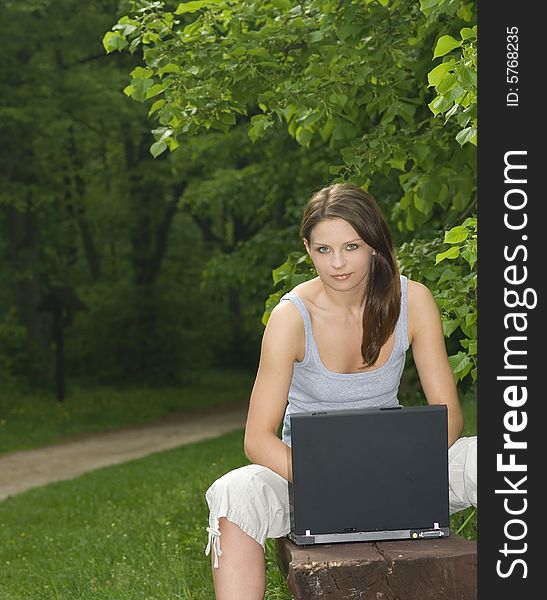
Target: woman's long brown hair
[382, 299]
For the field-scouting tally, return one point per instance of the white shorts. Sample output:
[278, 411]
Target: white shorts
[257, 499]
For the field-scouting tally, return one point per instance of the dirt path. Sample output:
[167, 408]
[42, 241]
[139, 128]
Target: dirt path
[20, 471]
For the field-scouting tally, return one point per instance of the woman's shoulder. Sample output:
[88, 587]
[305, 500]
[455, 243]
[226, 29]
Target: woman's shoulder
[287, 313]
[284, 333]
[422, 307]
[294, 308]
[307, 290]
[418, 292]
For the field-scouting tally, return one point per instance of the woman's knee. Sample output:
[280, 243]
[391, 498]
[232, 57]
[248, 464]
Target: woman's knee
[254, 498]
[462, 464]
[230, 489]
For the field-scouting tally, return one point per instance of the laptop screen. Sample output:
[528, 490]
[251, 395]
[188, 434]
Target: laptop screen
[369, 470]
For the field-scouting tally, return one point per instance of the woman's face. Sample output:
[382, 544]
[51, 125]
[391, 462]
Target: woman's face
[340, 256]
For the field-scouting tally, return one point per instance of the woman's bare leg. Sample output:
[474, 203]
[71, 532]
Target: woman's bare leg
[241, 574]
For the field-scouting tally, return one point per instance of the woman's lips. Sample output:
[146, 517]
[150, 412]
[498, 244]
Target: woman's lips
[342, 276]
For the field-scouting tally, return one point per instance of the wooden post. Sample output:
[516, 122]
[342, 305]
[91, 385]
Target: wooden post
[395, 570]
[60, 302]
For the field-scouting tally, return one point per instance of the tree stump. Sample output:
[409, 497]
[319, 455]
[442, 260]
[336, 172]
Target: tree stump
[440, 569]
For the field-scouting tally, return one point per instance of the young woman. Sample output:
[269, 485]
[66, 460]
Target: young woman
[337, 341]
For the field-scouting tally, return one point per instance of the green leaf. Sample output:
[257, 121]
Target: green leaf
[125, 28]
[447, 275]
[451, 253]
[456, 235]
[282, 272]
[347, 30]
[468, 33]
[472, 347]
[445, 44]
[156, 89]
[162, 133]
[421, 204]
[172, 143]
[157, 148]
[283, 4]
[156, 106]
[140, 88]
[169, 68]
[315, 36]
[326, 130]
[461, 364]
[398, 163]
[435, 76]
[344, 130]
[439, 105]
[134, 45]
[428, 6]
[338, 99]
[190, 7]
[469, 134]
[450, 326]
[142, 73]
[112, 40]
[259, 125]
[260, 52]
[303, 136]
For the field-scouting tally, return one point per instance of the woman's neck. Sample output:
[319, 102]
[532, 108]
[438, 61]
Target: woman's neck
[348, 300]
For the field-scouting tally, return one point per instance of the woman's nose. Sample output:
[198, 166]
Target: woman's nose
[338, 260]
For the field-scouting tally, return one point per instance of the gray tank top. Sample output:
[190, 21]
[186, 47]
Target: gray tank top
[315, 388]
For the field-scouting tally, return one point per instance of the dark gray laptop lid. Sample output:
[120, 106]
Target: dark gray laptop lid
[369, 470]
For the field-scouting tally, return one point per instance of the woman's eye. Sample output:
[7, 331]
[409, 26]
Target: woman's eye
[352, 246]
[322, 249]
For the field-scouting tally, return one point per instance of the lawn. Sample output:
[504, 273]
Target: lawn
[134, 531]
[33, 419]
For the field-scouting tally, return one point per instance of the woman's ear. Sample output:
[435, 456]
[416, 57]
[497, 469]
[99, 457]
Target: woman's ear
[307, 246]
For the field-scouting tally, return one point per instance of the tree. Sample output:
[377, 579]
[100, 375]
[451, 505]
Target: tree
[356, 77]
[171, 255]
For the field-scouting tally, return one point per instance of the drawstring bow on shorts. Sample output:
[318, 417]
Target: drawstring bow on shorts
[214, 545]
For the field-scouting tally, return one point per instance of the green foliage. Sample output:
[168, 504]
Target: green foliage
[253, 105]
[159, 249]
[322, 70]
[295, 270]
[455, 81]
[454, 286]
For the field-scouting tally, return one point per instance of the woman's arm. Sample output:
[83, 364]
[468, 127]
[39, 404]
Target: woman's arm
[282, 344]
[430, 356]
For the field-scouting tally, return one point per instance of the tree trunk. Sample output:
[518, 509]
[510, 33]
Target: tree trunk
[75, 200]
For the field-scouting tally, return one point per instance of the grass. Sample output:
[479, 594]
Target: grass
[134, 531]
[30, 420]
[128, 532]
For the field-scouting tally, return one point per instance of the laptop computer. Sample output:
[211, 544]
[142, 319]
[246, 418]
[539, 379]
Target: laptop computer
[369, 475]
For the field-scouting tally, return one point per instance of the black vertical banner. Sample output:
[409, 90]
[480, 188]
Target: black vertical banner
[511, 269]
